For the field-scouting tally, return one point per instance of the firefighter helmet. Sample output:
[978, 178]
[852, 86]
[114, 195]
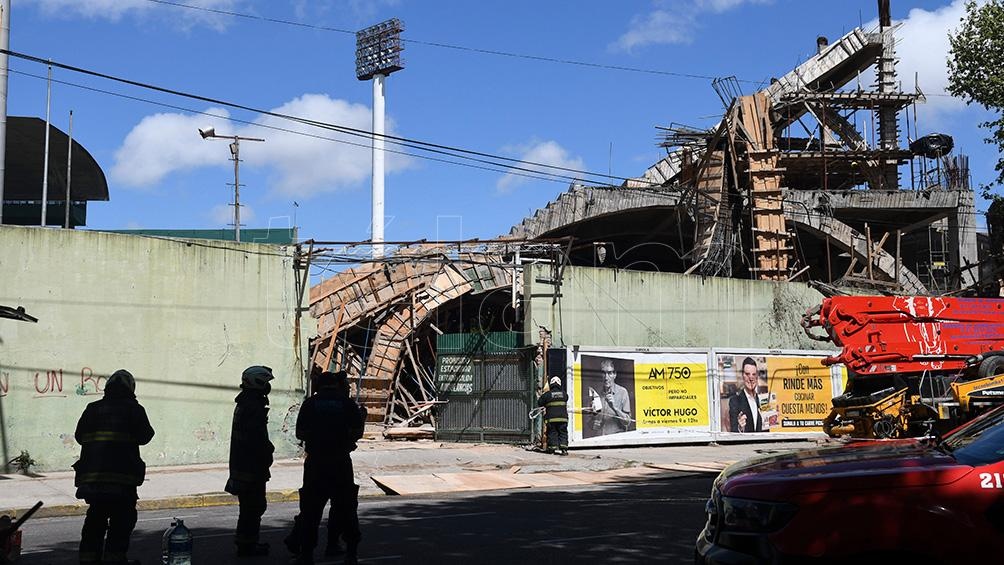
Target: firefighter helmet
[555, 382]
[122, 378]
[257, 377]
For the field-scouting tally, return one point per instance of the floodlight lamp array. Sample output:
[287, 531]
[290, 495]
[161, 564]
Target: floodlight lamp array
[378, 49]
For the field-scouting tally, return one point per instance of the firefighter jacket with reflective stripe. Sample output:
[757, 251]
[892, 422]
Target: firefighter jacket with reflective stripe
[329, 424]
[555, 403]
[250, 449]
[110, 432]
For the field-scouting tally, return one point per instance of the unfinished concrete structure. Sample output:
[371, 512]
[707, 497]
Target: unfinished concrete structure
[799, 181]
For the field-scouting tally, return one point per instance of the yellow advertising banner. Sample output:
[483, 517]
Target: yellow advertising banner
[622, 392]
[672, 394]
[773, 393]
[800, 391]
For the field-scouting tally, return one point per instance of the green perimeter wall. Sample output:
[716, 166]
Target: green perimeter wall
[185, 317]
[607, 307]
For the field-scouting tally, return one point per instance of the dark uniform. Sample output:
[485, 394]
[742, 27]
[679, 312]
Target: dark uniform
[250, 459]
[110, 432]
[555, 403]
[329, 424]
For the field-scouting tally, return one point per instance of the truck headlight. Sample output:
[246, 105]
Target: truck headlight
[744, 515]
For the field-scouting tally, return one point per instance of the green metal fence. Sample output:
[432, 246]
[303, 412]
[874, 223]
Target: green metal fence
[487, 381]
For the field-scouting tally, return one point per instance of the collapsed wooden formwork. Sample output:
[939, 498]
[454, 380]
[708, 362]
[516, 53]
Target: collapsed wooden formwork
[393, 299]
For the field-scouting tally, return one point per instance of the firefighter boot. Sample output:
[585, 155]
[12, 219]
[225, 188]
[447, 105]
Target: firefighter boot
[252, 549]
[333, 548]
[292, 541]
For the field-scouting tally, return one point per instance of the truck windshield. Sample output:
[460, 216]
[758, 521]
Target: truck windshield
[979, 442]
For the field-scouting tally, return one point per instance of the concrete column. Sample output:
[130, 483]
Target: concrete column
[962, 237]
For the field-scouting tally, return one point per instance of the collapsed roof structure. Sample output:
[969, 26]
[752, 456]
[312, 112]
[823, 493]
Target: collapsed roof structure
[800, 180]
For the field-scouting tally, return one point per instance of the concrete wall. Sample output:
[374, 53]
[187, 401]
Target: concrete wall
[608, 307]
[185, 317]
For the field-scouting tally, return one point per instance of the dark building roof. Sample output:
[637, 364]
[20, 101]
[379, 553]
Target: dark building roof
[24, 162]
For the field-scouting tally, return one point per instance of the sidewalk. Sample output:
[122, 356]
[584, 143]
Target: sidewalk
[407, 467]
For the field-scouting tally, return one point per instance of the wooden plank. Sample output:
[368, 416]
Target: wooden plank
[461, 482]
[549, 480]
[338, 282]
[334, 339]
[418, 373]
[411, 484]
[684, 467]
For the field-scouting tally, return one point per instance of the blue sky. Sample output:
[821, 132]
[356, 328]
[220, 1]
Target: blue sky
[163, 175]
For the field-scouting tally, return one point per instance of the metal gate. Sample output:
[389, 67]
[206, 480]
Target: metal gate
[489, 396]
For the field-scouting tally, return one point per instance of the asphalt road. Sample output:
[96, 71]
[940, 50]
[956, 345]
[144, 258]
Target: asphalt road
[655, 521]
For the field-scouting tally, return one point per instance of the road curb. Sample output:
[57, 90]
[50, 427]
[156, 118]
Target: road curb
[168, 503]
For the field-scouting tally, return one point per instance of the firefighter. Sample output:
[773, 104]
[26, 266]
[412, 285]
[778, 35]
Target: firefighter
[250, 458]
[555, 403]
[110, 432]
[329, 424]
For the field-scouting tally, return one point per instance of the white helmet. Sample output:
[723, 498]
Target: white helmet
[555, 382]
[257, 377]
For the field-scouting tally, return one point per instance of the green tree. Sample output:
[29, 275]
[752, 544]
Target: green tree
[976, 69]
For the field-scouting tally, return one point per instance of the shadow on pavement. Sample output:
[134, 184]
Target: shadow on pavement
[638, 522]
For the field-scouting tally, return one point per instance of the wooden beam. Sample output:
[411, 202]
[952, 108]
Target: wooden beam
[414, 366]
[334, 339]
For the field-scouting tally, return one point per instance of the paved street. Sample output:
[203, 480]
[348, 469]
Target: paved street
[641, 522]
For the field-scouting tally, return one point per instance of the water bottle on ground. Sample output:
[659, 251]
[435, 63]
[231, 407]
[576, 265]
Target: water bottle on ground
[176, 547]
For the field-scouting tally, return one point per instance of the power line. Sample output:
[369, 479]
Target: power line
[503, 170]
[500, 168]
[495, 52]
[482, 51]
[457, 152]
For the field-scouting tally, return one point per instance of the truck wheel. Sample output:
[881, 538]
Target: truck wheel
[991, 366]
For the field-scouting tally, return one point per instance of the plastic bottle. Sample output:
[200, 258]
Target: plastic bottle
[176, 547]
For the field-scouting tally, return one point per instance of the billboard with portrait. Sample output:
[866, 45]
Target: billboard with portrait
[760, 392]
[623, 397]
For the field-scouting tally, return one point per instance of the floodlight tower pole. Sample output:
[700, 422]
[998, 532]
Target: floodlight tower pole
[378, 54]
[378, 164]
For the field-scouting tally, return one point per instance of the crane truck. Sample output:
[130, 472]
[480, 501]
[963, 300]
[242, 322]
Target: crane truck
[915, 364]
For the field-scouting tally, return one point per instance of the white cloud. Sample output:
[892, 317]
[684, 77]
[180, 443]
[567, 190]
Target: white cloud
[223, 214]
[164, 143]
[922, 48]
[923, 53]
[544, 153]
[657, 27]
[672, 22]
[115, 10]
[301, 160]
[307, 165]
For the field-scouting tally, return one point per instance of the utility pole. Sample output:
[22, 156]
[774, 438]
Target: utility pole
[69, 169]
[45, 163]
[5, 45]
[235, 152]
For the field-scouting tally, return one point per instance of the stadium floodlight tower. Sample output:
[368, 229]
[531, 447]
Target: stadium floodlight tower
[378, 54]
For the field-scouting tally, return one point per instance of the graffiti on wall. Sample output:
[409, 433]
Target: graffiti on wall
[51, 383]
[90, 384]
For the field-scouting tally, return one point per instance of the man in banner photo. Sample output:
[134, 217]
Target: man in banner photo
[745, 412]
[607, 395]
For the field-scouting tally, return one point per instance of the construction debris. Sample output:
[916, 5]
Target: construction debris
[789, 185]
[422, 432]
